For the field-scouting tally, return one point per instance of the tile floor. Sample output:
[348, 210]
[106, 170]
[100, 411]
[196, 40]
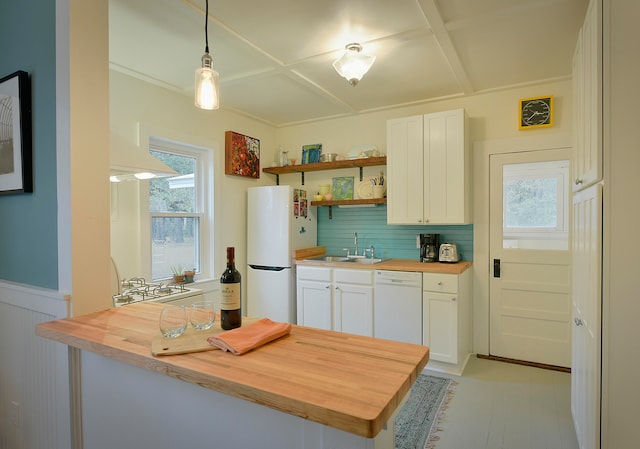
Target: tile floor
[499, 405]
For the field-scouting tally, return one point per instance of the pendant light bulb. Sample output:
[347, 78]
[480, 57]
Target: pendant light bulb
[207, 79]
[207, 85]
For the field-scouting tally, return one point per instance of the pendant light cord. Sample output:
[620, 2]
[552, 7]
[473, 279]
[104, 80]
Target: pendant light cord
[206, 30]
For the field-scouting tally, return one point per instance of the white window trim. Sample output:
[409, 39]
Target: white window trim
[561, 231]
[209, 226]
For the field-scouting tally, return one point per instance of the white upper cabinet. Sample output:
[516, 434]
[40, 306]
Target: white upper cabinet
[428, 169]
[405, 170]
[587, 94]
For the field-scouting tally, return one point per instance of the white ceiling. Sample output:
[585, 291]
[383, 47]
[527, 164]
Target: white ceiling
[275, 56]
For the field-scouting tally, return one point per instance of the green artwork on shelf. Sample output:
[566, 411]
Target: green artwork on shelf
[342, 188]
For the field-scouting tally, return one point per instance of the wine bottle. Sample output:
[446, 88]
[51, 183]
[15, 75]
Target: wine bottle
[230, 286]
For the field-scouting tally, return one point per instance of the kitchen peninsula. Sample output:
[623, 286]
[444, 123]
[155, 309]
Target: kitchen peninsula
[312, 389]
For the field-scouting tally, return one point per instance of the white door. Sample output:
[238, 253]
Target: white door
[587, 304]
[529, 287]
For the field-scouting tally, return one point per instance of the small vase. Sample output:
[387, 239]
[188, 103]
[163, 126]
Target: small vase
[178, 278]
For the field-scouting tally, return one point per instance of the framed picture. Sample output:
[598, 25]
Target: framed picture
[342, 188]
[311, 153]
[16, 166]
[241, 155]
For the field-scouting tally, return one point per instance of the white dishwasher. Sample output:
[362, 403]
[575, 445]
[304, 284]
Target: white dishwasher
[397, 306]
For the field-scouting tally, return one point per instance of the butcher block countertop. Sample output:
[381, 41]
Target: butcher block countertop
[345, 381]
[302, 258]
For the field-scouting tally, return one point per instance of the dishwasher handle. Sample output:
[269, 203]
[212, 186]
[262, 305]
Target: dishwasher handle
[409, 279]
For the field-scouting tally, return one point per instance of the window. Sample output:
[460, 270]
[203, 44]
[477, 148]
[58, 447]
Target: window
[178, 210]
[536, 210]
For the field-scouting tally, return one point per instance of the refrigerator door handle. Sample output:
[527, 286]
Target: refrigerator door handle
[267, 268]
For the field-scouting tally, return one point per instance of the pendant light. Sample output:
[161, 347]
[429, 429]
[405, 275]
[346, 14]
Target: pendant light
[207, 79]
[353, 64]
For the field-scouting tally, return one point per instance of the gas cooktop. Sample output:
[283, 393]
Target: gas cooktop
[138, 289]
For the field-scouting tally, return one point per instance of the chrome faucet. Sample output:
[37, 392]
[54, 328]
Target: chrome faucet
[355, 240]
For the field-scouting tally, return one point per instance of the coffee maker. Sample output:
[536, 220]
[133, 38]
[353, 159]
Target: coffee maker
[429, 247]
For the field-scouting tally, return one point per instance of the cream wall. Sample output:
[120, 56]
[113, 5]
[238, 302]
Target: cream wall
[173, 116]
[492, 115]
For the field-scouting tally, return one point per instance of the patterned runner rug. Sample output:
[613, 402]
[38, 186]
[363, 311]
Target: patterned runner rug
[417, 422]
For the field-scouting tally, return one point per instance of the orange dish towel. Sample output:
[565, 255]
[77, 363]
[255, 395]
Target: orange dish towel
[244, 339]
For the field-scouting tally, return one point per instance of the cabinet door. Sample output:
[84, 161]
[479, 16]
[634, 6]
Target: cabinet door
[587, 309]
[440, 325]
[588, 80]
[446, 169]
[353, 309]
[404, 170]
[314, 304]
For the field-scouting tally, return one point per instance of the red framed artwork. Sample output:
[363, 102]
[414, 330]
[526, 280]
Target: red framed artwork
[242, 155]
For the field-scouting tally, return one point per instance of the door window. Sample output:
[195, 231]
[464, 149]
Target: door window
[535, 199]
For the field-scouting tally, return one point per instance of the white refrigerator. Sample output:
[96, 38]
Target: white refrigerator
[279, 221]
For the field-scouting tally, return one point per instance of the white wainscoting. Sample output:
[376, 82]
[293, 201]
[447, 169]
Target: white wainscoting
[34, 372]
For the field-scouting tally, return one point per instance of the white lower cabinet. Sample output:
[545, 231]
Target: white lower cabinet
[335, 299]
[314, 297]
[353, 301]
[343, 300]
[446, 309]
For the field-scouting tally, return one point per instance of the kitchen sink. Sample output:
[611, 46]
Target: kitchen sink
[362, 260]
[332, 259]
[367, 261]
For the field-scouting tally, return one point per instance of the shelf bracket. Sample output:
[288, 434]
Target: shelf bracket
[330, 212]
[360, 174]
[302, 177]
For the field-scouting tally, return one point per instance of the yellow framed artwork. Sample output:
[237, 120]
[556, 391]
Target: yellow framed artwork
[536, 112]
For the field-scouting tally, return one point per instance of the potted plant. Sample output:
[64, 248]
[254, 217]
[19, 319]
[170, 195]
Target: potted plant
[188, 276]
[178, 274]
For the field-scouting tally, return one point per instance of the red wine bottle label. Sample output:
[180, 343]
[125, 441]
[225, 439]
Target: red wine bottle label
[230, 296]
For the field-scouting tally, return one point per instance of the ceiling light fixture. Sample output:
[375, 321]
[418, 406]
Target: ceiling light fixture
[353, 64]
[207, 79]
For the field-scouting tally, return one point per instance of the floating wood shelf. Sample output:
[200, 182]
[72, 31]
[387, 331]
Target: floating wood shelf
[374, 201]
[319, 166]
[350, 202]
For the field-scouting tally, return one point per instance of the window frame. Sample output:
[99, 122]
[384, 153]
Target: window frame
[204, 205]
[558, 170]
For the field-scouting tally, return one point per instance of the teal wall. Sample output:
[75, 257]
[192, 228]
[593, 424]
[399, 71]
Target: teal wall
[390, 241]
[28, 222]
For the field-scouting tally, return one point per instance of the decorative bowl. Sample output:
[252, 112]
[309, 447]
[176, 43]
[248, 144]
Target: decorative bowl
[328, 157]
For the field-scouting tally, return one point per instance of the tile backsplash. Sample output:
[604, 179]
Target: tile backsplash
[389, 241]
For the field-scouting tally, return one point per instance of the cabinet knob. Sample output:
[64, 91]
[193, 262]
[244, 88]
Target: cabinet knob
[327, 286]
[578, 321]
[578, 181]
[439, 282]
[453, 299]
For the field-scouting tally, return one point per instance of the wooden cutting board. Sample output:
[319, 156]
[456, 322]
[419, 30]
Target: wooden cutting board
[191, 341]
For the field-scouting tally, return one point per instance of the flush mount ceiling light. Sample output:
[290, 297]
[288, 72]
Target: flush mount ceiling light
[207, 79]
[353, 64]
